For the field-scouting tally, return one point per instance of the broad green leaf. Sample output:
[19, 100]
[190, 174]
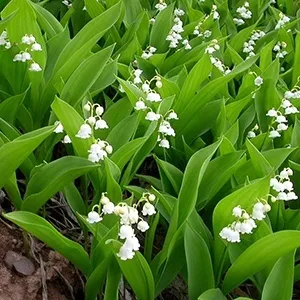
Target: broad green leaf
[74, 198]
[161, 28]
[279, 284]
[13, 154]
[71, 122]
[217, 174]
[206, 94]
[213, 294]
[44, 231]
[173, 174]
[10, 106]
[47, 21]
[85, 76]
[222, 215]
[53, 177]
[96, 279]
[261, 165]
[122, 155]
[192, 177]
[193, 82]
[137, 272]
[199, 265]
[263, 253]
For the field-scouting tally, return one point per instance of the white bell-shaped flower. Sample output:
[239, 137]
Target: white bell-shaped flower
[148, 209]
[288, 185]
[35, 67]
[67, 140]
[59, 127]
[125, 253]
[153, 97]
[108, 208]
[93, 157]
[109, 149]
[36, 47]
[291, 196]
[85, 131]
[101, 124]
[272, 113]
[132, 243]
[126, 231]
[237, 212]
[25, 56]
[99, 110]
[274, 134]
[152, 116]
[282, 196]
[143, 226]
[140, 105]
[172, 116]
[93, 217]
[164, 143]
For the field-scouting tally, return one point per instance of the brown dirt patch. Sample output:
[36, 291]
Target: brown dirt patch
[61, 281]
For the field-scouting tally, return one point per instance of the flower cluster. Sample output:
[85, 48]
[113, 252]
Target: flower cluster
[205, 34]
[145, 86]
[283, 186]
[245, 223]
[244, 14]
[219, 65]
[213, 47]
[161, 5]
[60, 129]
[278, 48]
[67, 3]
[258, 81]
[174, 35]
[249, 46]
[165, 128]
[99, 149]
[148, 52]
[4, 41]
[129, 218]
[252, 133]
[283, 19]
[214, 12]
[279, 115]
[25, 55]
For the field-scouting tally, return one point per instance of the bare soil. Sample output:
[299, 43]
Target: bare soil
[54, 277]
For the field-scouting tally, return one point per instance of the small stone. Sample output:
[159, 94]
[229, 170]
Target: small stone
[24, 266]
[11, 257]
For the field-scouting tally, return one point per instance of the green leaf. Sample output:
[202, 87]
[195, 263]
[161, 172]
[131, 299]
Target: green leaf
[279, 284]
[263, 253]
[161, 28]
[53, 177]
[261, 165]
[192, 177]
[213, 294]
[12, 154]
[193, 82]
[122, 155]
[85, 76]
[199, 265]
[44, 231]
[71, 122]
[217, 174]
[137, 272]
[222, 215]
[10, 106]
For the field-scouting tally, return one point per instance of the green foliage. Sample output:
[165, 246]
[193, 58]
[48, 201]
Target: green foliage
[136, 102]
